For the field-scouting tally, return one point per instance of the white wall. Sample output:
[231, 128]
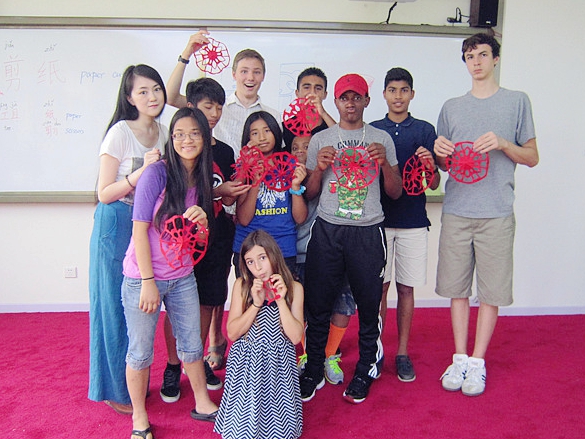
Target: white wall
[543, 55]
[539, 56]
[421, 12]
[37, 242]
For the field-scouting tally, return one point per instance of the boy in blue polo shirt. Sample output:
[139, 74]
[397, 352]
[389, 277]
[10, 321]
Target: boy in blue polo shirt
[405, 219]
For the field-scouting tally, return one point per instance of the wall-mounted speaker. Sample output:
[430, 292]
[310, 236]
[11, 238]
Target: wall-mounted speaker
[484, 13]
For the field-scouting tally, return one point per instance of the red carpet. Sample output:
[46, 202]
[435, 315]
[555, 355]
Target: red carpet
[534, 385]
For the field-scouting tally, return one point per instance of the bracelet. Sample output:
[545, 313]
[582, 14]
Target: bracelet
[128, 180]
[301, 191]
[256, 305]
[183, 60]
[148, 278]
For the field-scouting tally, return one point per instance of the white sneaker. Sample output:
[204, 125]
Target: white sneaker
[474, 383]
[452, 379]
[333, 372]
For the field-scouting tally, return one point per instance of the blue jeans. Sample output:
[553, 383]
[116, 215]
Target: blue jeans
[182, 304]
[108, 339]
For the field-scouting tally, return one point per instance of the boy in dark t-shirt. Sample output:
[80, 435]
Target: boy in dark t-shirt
[213, 270]
[405, 219]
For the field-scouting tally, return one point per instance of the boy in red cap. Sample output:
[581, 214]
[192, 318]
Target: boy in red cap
[347, 238]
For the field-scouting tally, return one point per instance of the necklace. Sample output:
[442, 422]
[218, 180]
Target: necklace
[345, 145]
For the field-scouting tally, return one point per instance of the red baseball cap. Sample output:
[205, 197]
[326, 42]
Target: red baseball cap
[353, 82]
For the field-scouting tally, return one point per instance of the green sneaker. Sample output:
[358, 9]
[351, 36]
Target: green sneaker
[333, 372]
[302, 363]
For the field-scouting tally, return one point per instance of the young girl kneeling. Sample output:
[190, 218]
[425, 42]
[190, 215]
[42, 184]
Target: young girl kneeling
[261, 398]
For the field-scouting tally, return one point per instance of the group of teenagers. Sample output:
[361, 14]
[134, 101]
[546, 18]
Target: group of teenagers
[304, 258]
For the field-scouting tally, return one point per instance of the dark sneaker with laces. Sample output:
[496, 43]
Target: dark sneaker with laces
[170, 390]
[358, 389]
[213, 382]
[309, 386]
[404, 369]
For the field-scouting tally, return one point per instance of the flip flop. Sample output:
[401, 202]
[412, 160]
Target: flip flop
[203, 417]
[142, 433]
[216, 355]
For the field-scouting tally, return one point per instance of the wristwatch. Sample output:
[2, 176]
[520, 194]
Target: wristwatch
[183, 60]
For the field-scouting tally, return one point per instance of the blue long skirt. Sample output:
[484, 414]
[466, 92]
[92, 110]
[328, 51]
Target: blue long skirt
[108, 338]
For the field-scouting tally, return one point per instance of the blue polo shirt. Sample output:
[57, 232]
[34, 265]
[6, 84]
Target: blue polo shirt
[408, 211]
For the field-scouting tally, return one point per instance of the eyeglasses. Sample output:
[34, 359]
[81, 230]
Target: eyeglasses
[355, 98]
[181, 137]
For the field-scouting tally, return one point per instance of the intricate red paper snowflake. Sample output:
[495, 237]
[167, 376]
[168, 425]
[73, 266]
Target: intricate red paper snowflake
[271, 292]
[300, 117]
[250, 167]
[280, 171]
[183, 242]
[416, 177]
[213, 57]
[467, 166]
[354, 168]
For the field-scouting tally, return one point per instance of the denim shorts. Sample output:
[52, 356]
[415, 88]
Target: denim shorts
[344, 304]
[182, 305]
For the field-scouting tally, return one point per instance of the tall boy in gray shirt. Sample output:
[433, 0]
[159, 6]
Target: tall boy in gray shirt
[478, 222]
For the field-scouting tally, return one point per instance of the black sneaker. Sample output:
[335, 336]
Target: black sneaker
[404, 369]
[213, 382]
[170, 390]
[358, 389]
[309, 386]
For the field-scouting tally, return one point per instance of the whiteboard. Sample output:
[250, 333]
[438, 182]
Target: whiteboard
[58, 87]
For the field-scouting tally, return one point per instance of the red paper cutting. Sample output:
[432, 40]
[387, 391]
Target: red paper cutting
[183, 242]
[213, 57]
[300, 117]
[467, 166]
[250, 167]
[271, 292]
[354, 168]
[416, 177]
[281, 169]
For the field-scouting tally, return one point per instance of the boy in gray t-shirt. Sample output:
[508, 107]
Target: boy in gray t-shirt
[347, 239]
[478, 224]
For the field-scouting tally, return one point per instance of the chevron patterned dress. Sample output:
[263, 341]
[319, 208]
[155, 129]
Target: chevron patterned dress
[261, 397]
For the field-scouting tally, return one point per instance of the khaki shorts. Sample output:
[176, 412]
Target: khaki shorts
[408, 249]
[485, 245]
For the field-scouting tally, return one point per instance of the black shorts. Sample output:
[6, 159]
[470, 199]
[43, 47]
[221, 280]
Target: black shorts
[213, 270]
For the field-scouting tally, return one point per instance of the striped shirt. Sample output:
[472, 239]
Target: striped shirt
[231, 125]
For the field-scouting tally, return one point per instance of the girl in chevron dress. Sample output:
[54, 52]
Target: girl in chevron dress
[261, 398]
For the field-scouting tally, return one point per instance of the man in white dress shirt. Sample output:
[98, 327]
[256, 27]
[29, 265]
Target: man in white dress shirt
[248, 70]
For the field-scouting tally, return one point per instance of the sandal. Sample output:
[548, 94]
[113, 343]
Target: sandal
[142, 433]
[204, 417]
[123, 409]
[216, 356]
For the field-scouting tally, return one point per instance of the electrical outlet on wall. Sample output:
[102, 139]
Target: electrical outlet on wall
[70, 272]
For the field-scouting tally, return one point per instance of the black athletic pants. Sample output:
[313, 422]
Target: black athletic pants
[333, 252]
